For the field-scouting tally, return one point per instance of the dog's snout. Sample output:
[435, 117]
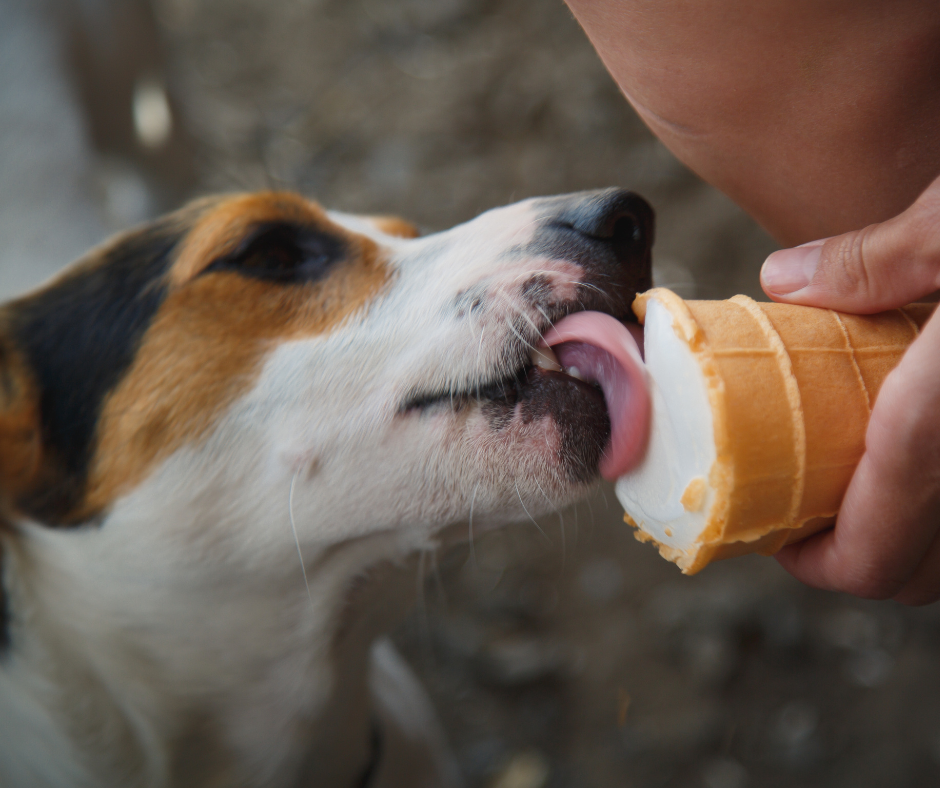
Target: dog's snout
[621, 217]
[612, 228]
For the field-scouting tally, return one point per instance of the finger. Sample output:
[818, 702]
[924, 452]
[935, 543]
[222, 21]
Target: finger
[891, 511]
[879, 267]
[871, 553]
[923, 587]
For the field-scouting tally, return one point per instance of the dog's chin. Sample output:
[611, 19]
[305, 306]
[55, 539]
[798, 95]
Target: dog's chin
[555, 413]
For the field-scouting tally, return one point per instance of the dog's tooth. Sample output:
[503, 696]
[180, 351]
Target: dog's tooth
[544, 357]
[574, 372]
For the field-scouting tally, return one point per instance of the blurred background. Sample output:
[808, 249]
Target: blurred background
[561, 653]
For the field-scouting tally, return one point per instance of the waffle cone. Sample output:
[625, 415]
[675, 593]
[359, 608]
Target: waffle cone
[790, 391]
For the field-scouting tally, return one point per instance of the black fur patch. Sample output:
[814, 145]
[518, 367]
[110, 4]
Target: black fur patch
[79, 336]
[576, 407]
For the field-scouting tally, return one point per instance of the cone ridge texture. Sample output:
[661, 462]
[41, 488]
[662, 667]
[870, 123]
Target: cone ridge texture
[791, 390]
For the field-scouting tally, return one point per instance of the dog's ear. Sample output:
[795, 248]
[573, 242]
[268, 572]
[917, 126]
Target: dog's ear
[63, 348]
[392, 225]
[20, 430]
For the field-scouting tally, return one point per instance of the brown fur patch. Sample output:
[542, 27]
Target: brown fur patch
[208, 341]
[20, 434]
[392, 225]
[219, 231]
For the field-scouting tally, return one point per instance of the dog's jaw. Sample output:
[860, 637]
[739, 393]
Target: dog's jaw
[329, 421]
[450, 378]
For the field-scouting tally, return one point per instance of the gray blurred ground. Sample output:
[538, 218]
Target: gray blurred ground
[559, 654]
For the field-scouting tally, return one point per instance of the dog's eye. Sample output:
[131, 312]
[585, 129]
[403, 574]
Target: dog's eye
[283, 253]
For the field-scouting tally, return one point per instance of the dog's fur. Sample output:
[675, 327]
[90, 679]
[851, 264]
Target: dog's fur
[201, 401]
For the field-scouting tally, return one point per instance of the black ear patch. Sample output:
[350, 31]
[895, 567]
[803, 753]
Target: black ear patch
[283, 252]
[78, 337]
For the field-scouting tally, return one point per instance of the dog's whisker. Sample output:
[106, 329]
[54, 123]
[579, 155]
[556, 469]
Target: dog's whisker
[607, 297]
[538, 527]
[544, 314]
[577, 523]
[518, 335]
[510, 304]
[528, 318]
[550, 501]
[591, 512]
[293, 525]
[480, 343]
[438, 580]
[592, 286]
[421, 602]
[422, 589]
[473, 330]
[473, 552]
[561, 520]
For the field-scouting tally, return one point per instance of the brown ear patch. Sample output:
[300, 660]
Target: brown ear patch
[207, 342]
[219, 231]
[392, 225]
[20, 431]
[66, 346]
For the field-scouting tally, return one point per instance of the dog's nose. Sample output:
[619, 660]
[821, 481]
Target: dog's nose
[622, 218]
[613, 227]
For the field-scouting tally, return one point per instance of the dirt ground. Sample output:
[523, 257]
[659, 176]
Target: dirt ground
[559, 653]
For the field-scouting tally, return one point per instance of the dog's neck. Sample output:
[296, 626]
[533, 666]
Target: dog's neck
[193, 677]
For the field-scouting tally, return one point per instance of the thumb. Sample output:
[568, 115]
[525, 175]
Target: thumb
[879, 267]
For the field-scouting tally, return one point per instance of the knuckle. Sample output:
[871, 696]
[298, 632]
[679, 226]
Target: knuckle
[917, 597]
[900, 254]
[903, 437]
[868, 582]
[851, 264]
[923, 231]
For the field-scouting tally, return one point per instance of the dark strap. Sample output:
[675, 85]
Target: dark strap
[375, 757]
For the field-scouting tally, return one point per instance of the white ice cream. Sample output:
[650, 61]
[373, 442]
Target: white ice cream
[681, 450]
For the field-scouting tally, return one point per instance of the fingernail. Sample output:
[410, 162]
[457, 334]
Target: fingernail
[789, 270]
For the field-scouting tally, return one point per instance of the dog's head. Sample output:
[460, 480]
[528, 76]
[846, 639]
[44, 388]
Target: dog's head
[254, 357]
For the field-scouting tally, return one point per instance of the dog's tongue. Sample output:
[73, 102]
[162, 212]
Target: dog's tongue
[605, 351]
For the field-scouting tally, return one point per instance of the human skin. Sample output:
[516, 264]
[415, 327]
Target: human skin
[821, 118]
[816, 116]
[886, 542]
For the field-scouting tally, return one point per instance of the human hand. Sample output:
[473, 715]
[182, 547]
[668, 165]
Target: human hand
[886, 541]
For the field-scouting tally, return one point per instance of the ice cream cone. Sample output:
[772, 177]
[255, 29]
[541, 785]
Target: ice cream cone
[758, 422]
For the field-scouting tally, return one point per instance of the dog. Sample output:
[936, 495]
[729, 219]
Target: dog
[224, 438]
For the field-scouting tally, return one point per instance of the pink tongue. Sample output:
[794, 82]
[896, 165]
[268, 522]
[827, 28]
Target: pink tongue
[604, 351]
